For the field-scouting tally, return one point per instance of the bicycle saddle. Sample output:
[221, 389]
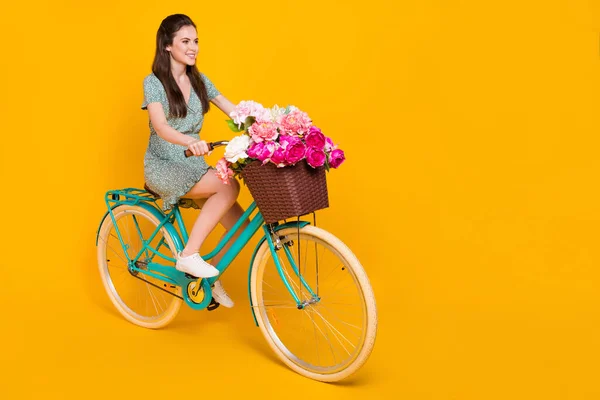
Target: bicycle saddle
[152, 192]
[183, 202]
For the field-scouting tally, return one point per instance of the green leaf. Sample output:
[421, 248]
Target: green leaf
[249, 121]
[233, 126]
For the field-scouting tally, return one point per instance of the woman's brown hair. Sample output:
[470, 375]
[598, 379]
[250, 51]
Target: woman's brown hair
[161, 67]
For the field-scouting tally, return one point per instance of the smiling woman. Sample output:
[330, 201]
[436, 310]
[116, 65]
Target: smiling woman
[183, 49]
[177, 96]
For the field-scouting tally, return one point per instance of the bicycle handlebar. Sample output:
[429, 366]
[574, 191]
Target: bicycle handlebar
[211, 146]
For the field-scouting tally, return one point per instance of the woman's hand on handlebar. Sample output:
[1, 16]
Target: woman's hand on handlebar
[210, 146]
[198, 148]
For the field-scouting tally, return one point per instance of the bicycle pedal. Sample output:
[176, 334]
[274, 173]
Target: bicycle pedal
[190, 276]
[213, 305]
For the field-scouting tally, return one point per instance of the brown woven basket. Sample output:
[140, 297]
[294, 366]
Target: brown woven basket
[282, 193]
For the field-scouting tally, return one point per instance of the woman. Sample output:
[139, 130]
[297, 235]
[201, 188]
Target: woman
[177, 96]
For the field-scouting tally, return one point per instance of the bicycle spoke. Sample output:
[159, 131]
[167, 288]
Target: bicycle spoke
[328, 342]
[305, 335]
[316, 339]
[334, 331]
[114, 251]
[357, 336]
[338, 282]
[336, 317]
[336, 268]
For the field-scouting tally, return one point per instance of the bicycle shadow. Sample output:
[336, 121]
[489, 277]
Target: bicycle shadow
[250, 338]
[239, 319]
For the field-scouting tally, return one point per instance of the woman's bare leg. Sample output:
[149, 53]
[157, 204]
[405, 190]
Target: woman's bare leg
[221, 198]
[228, 221]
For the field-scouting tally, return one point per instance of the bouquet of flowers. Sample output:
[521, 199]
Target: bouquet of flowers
[281, 136]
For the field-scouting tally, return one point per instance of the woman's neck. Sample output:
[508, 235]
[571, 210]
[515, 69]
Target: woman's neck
[179, 71]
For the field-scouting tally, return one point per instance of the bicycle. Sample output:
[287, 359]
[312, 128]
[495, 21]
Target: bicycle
[322, 326]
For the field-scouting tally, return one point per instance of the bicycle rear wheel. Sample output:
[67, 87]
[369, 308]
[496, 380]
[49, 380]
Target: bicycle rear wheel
[142, 299]
[332, 336]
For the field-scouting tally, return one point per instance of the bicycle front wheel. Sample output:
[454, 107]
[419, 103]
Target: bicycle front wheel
[333, 334]
[142, 299]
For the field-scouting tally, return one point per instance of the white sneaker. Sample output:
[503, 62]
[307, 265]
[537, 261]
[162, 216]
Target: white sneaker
[220, 295]
[196, 266]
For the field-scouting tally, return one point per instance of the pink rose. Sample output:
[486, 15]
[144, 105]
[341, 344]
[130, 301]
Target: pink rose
[329, 146]
[315, 138]
[255, 149]
[286, 140]
[295, 152]
[223, 171]
[296, 123]
[278, 157]
[261, 151]
[336, 158]
[246, 109]
[263, 130]
[315, 158]
[314, 129]
[265, 153]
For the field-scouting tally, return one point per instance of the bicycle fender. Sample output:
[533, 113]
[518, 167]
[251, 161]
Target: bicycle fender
[102, 222]
[294, 224]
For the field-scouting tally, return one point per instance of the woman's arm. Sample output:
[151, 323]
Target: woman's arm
[166, 132]
[223, 104]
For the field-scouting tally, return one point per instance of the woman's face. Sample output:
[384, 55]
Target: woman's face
[185, 46]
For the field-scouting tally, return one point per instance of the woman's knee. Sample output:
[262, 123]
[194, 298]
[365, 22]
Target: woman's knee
[232, 189]
[235, 185]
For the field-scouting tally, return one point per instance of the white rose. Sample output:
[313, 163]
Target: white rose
[236, 149]
[277, 113]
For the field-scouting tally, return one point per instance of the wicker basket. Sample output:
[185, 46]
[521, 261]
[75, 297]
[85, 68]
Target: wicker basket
[282, 193]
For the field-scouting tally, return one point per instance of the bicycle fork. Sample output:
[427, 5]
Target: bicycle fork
[276, 245]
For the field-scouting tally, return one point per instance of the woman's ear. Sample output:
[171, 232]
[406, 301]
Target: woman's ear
[168, 48]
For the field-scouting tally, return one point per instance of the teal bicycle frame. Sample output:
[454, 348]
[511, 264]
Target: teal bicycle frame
[169, 221]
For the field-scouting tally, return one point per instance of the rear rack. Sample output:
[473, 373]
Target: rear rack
[129, 196]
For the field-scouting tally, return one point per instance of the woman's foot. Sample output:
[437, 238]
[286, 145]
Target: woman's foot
[196, 266]
[220, 295]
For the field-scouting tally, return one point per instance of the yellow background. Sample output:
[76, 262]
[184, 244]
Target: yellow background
[470, 192]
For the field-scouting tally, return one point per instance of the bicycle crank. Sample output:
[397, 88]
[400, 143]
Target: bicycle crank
[197, 296]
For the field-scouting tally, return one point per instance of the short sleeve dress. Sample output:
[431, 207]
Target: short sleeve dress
[166, 170]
